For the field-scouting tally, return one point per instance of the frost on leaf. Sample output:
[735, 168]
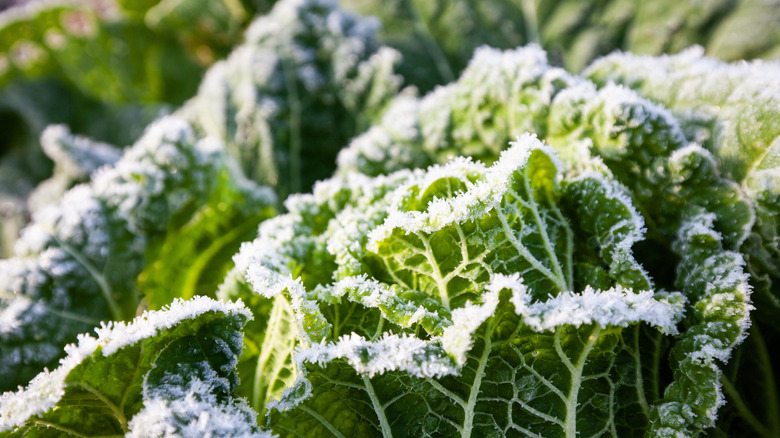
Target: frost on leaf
[78, 262]
[715, 283]
[177, 359]
[732, 110]
[417, 333]
[308, 78]
[500, 95]
[75, 158]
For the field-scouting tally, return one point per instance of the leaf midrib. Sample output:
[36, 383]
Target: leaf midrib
[475, 387]
[570, 428]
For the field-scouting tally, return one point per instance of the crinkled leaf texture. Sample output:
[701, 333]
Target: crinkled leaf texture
[732, 109]
[502, 94]
[308, 78]
[652, 151]
[79, 262]
[75, 158]
[166, 373]
[466, 300]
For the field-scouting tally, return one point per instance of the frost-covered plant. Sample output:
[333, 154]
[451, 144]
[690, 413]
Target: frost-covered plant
[697, 216]
[308, 78]
[166, 373]
[522, 252]
[471, 300]
[79, 262]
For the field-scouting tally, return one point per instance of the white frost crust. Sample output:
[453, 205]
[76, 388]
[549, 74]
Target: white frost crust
[295, 394]
[346, 234]
[703, 226]
[265, 269]
[116, 335]
[678, 157]
[47, 388]
[494, 67]
[44, 390]
[363, 190]
[11, 315]
[440, 356]
[75, 155]
[374, 294]
[196, 414]
[387, 142]
[163, 157]
[458, 339]
[617, 306]
[735, 282]
[269, 283]
[390, 353]
[78, 219]
[478, 199]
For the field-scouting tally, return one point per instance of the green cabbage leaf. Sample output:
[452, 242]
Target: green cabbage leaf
[167, 372]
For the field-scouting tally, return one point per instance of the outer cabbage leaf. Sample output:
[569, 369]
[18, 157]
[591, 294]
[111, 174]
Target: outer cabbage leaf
[716, 284]
[733, 110]
[169, 372]
[308, 78]
[75, 158]
[26, 109]
[450, 309]
[78, 263]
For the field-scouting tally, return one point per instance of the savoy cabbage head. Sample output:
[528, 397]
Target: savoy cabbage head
[522, 251]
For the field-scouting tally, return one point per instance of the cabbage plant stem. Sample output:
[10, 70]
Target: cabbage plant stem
[474, 393]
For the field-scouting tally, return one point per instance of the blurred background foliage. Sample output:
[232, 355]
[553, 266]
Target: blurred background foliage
[437, 37]
[105, 69]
